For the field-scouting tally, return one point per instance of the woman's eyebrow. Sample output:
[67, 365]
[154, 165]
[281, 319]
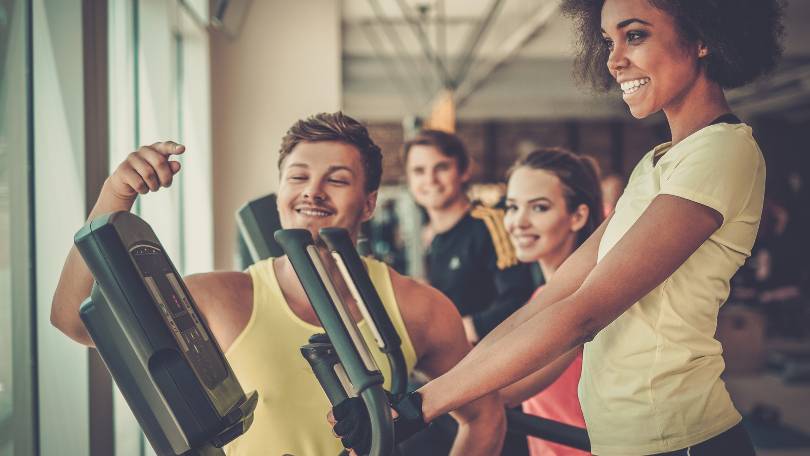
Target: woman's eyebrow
[539, 199]
[533, 200]
[627, 22]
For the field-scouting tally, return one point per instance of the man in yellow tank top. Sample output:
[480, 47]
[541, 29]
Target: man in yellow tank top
[329, 175]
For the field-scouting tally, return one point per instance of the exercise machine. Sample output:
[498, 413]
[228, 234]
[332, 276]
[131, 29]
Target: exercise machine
[355, 372]
[303, 254]
[257, 220]
[161, 354]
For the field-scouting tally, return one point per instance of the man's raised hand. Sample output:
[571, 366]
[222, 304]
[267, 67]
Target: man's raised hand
[147, 169]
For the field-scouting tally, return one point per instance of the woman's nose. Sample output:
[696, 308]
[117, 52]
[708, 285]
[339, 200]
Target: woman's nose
[617, 60]
[523, 219]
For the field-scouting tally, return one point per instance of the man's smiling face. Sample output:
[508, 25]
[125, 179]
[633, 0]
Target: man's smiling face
[323, 185]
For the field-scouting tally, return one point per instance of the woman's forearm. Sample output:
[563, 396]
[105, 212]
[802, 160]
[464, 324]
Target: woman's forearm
[568, 278]
[534, 383]
[625, 275]
[539, 341]
[498, 343]
[480, 431]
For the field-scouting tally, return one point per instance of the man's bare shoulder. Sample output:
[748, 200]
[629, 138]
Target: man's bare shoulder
[433, 323]
[426, 311]
[418, 297]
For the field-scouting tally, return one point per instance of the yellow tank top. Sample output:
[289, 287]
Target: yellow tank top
[290, 417]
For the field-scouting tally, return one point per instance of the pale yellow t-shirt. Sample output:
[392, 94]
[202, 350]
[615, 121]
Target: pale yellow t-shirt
[290, 417]
[651, 379]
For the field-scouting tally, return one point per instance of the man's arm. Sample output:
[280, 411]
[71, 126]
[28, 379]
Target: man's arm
[225, 301]
[147, 169]
[435, 329]
[513, 288]
[512, 281]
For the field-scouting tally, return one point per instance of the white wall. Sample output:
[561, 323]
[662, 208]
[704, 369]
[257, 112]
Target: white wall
[284, 64]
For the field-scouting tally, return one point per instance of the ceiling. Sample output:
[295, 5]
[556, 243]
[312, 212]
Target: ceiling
[505, 59]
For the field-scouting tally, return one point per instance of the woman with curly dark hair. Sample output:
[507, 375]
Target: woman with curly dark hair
[643, 292]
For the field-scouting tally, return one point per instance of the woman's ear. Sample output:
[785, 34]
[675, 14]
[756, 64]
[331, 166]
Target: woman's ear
[580, 217]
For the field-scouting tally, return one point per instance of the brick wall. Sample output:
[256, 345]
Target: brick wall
[494, 146]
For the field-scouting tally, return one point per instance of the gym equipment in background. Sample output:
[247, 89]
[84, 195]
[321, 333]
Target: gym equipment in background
[257, 221]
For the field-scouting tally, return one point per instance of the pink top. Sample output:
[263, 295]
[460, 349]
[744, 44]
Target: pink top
[558, 402]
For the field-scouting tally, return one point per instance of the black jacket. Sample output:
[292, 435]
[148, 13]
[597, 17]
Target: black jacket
[474, 264]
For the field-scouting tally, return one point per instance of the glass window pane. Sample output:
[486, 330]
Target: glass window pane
[159, 89]
[16, 422]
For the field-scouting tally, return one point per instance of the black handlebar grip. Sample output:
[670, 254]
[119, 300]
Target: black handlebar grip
[326, 366]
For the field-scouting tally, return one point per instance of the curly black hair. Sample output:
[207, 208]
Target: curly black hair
[743, 37]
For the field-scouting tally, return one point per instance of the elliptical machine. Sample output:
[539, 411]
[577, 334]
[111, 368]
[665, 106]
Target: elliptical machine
[161, 354]
[328, 362]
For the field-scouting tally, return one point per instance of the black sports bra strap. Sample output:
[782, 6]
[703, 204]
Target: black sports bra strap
[728, 118]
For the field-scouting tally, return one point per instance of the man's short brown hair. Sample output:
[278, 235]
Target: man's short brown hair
[336, 127]
[447, 144]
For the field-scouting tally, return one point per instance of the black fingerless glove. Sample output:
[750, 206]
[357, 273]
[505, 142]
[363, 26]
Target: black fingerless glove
[353, 425]
[410, 419]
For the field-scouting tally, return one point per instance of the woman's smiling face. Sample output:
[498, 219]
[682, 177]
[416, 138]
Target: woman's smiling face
[537, 217]
[653, 65]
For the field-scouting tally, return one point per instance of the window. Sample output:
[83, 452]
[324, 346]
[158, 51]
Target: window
[159, 90]
[16, 395]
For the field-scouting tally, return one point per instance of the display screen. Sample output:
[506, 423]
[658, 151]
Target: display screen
[180, 317]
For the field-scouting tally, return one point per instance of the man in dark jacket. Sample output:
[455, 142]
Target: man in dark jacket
[469, 256]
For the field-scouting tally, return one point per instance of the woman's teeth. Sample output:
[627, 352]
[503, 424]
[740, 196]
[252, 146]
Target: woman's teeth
[525, 239]
[629, 87]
